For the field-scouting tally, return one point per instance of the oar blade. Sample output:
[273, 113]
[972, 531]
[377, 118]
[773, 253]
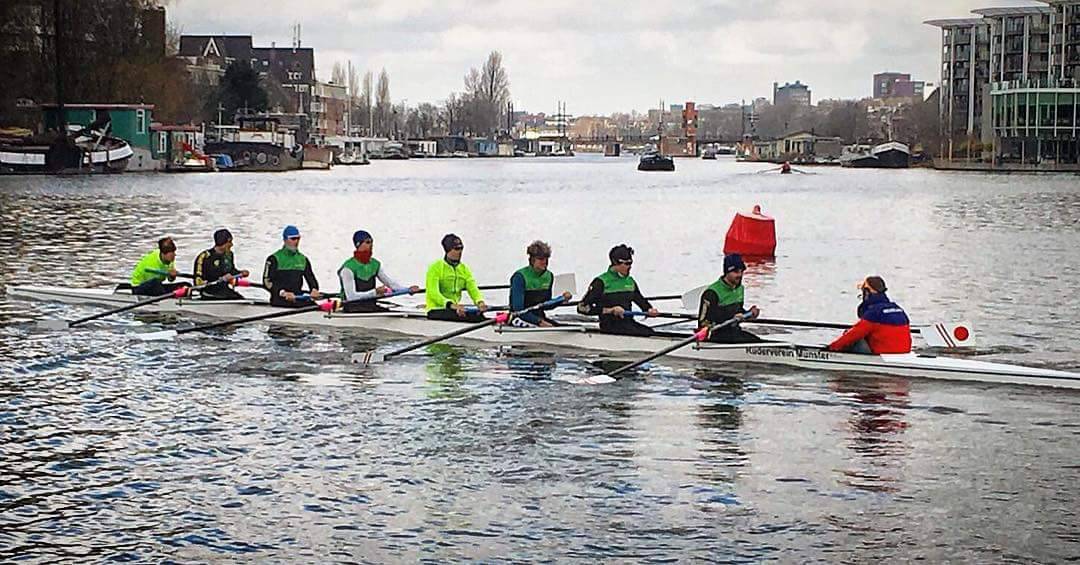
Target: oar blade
[368, 358]
[691, 299]
[597, 380]
[165, 335]
[566, 282]
[949, 336]
[52, 325]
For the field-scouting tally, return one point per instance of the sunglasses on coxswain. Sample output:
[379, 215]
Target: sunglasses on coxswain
[624, 262]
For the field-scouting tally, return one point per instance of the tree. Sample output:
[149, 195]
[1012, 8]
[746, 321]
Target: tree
[353, 80]
[450, 118]
[422, 121]
[777, 121]
[495, 86]
[487, 91]
[106, 53]
[241, 88]
[383, 106]
[366, 109]
[846, 119]
[337, 76]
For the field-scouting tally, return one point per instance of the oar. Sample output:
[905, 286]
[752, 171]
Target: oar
[239, 281]
[326, 306]
[178, 293]
[369, 357]
[809, 324]
[166, 273]
[803, 324]
[258, 285]
[948, 335]
[699, 336]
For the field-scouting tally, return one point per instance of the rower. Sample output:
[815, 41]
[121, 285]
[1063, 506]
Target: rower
[286, 270]
[723, 300]
[153, 268]
[883, 326]
[531, 285]
[217, 263]
[785, 169]
[611, 294]
[359, 275]
[446, 279]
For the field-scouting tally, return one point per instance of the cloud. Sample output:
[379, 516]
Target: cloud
[603, 56]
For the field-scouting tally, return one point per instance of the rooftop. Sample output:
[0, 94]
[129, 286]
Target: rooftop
[102, 106]
[1011, 11]
[954, 22]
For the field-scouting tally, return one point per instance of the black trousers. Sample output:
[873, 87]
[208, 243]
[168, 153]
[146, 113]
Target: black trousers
[220, 292]
[733, 335]
[155, 287]
[281, 302]
[362, 307]
[624, 326]
[449, 315]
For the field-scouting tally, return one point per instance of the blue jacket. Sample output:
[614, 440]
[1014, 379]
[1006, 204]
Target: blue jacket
[878, 309]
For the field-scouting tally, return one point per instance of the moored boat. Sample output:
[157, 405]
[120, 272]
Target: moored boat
[83, 150]
[588, 337]
[892, 155]
[889, 155]
[257, 144]
[654, 161]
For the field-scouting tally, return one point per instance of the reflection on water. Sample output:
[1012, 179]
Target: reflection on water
[445, 372]
[263, 443]
[877, 425]
[720, 416]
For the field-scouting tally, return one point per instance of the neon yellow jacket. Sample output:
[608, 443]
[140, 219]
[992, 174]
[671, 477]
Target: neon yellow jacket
[150, 262]
[445, 283]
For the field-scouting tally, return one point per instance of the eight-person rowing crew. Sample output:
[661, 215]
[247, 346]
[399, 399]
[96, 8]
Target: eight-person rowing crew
[883, 326]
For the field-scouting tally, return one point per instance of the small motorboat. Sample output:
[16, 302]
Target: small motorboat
[655, 161]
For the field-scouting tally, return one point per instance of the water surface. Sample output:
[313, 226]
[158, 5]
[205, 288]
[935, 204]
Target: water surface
[264, 443]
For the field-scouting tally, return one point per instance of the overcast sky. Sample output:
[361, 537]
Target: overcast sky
[603, 56]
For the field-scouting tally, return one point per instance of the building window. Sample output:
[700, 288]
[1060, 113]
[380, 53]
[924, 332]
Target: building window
[162, 141]
[140, 121]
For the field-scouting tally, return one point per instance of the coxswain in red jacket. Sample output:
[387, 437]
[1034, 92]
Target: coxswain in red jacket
[883, 326]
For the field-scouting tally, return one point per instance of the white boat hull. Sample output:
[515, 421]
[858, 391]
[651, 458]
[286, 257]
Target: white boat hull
[588, 338]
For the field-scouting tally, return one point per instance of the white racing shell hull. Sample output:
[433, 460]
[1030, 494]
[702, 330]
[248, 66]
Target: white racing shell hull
[586, 337]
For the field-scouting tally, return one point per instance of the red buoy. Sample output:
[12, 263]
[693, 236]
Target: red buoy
[751, 235]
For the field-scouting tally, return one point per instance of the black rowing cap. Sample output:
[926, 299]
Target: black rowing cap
[450, 241]
[733, 262]
[222, 236]
[621, 252]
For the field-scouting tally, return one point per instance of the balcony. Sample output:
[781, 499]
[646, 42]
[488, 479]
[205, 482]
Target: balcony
[1035, 84]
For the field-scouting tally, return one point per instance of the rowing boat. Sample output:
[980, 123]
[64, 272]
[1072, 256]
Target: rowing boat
[588, 337]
